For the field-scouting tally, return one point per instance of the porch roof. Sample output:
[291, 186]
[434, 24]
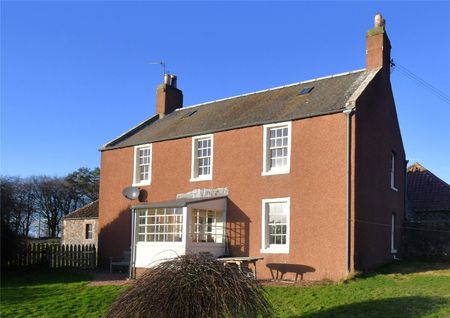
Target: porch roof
[178, 203]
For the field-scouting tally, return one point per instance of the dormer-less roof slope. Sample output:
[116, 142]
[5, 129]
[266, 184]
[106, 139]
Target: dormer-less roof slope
[329, 95]
[89, 211]
[426, 192]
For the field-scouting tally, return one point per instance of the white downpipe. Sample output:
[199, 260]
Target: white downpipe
[133, 244]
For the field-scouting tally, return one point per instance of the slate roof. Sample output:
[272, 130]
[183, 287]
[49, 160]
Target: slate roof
[426, 192]
[329, 95]
[89, 211]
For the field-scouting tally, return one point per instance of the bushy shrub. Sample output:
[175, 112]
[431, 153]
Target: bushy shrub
[193, 286]
[427, 241]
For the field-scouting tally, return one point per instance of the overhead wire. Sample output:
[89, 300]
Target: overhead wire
[399, 226]
[438, 93]
[420, 81]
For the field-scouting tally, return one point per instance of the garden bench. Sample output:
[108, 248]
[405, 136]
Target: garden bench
[123, 261]
[242, 263]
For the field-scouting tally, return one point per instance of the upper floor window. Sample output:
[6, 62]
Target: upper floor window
[277, 148]
[202, 158]
[393, 171]
[142, 164]
[275, 225]
[88, 231]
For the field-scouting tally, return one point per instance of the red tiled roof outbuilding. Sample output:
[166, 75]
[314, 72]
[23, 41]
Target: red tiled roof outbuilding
[427, 192]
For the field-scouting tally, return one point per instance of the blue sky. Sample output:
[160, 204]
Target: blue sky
[74, 75]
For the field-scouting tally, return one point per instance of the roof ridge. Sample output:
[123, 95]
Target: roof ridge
[440, 182]
[80, 208]
[417, 167]
[271, 89]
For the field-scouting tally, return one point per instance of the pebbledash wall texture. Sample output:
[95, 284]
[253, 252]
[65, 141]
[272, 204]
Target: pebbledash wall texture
[345, 203]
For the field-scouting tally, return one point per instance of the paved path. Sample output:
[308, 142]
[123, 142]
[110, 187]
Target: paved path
[103, 277]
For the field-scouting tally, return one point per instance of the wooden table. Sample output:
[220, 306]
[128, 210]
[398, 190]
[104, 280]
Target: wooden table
[242, 262]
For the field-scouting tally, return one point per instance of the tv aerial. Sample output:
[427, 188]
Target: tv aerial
[162, 63]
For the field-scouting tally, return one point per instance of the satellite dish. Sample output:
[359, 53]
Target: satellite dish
[131, 193]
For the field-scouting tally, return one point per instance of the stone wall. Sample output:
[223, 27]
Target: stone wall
[74, 231]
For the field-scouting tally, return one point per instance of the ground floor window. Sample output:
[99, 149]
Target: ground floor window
[275, 225]
[160, 225]
[207, 226]
[393, 233]
[88, 231]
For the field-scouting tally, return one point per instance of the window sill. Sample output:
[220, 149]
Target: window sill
[159, 243]
[207, 243]
[207, 178]
[275, 172]
[141, 184]
[394, 189]
[271, 250]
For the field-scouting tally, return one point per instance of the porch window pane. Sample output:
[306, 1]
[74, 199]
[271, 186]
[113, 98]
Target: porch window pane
[160, 225]
[207, 226]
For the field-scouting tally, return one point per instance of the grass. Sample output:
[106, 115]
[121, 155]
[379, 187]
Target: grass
[54, 294]
[400, 290]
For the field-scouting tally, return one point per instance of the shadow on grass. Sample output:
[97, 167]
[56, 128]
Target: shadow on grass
[411, 267]
[35, 276]
[401, 307]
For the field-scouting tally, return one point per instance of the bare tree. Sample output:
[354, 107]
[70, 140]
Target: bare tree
[24, 200]
[8, 204]
[18, 204]
[26, 203]
[54, 199]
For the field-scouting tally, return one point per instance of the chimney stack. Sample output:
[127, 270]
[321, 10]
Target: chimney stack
[378, 46]
[168, 96]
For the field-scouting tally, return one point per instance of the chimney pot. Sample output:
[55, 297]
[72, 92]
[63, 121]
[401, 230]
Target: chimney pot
[173, 80]
[166, 79]
[379, 22]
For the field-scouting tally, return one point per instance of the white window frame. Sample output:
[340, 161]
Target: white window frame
[267, 171]
[393, 233]
[392, 171]
[158, 214]
[194, 159]
[136, 181]
[275, 249]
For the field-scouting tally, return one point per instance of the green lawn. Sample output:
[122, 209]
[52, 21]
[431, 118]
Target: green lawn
[401, 290]
[54, 294]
